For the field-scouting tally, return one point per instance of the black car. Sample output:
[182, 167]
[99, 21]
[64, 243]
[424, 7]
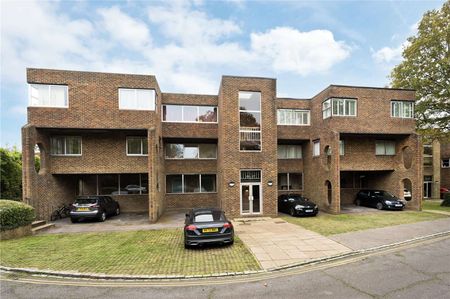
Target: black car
[379, 199]
[207, 225]
[297, 205]
[93, 207]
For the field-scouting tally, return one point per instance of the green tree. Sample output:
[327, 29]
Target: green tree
[10, 174]
[426, 68]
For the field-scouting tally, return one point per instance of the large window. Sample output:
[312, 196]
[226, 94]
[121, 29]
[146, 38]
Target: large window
[339, 107]
[136, 99]
[293, 117]
[385, 147]
[402, 109]
[191, 151]
[445, 163]
[316, 148]
[192, 114]
[137, 146]
[65, 146]
[121, 184]
[42, 95]
[191, 183]
[250, 121]
[290, 181]
[288, 151]
[427, 155]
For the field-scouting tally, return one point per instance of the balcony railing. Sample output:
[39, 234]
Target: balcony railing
[250, 134]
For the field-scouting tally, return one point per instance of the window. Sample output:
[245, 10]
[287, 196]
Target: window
[385, 147]
[191, 151]
[250, 121]
[193, 114]
[427, 155]
[293, 117]
[338, 107]
[402, 109]
[290, 181]
[341, 147]
[42, 95]
[136, 99]
[289, 151]
[191, 183]
[137, 146]
[445, 163]
[65, 146]
[316, 148]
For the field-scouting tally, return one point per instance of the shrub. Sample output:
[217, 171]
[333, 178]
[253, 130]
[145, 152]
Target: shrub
[14, 214]
[446, 201]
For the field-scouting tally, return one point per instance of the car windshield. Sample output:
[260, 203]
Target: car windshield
[85, 201]
[383, 193]
[209, 216]
[295, 198]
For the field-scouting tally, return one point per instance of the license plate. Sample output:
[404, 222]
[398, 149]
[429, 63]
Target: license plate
[210, 230]
[83, 209]
[308, 211]
[398, 205]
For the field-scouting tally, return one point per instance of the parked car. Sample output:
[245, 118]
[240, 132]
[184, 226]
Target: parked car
[93, 207]
[207, 225]
[297, 205]
[442, 191]
[379, 199]
[135, 189]
[407, 195]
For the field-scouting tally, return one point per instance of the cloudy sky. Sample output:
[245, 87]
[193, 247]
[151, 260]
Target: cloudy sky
[188, 45]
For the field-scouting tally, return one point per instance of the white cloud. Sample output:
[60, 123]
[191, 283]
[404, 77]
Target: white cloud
[288, 49]
[388, 55]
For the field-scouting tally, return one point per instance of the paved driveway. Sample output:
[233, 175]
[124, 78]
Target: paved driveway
[274, 242]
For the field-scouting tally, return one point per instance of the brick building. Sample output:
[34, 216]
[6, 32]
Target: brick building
[436, 168]
[118, 134]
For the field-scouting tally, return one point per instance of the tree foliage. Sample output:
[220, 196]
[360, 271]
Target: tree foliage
[10, 174]
[426, 68]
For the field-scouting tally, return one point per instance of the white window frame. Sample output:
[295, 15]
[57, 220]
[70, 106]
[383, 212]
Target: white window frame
[251, 111]
[199, 181]
[448, 163]
[190, 122]
[328, 112]
[290, 145]
[30, 102]
[142, 146]
[341, 147]
[316, 148]
[152, 103]
[288, 175]
[401, 111]
[192, 145]
[65, 147]
[384, 145]
[301, 112]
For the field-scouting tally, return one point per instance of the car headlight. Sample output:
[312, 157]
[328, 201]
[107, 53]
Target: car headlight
[299, 207]
[388, 202]
[315, 207]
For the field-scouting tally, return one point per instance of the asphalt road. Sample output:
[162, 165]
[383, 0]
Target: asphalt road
[422, 271]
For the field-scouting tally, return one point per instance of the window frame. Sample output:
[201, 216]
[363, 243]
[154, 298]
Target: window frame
[384, 145]
[192, 144]
[183, 186]
[49, 90]
[448, 163]
[328, 112]
[142, 146]
[314, 148]
[401, 111]
[288, 174]
[198, 114]
[250, 111]
[301, 111]
[135, 95]
[341, 147]
[65, 146]
[289, 145]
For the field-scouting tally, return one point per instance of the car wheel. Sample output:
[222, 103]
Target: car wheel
[379, 206]
[358, 202]
[117, 211]
[74, 220]
[186, 246]
[102, 217]
[292, 212]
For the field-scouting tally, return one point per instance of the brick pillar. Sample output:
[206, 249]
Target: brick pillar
[28, 170]
[153, 194]
[435, 192]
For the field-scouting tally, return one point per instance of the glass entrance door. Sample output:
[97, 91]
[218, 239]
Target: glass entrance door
[251, 198]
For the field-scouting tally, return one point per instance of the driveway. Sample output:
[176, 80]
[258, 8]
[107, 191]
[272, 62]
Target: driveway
[123, 222]
[353, 209]
[275, 242]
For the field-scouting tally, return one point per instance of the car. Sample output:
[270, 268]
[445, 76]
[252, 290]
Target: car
[442, 191]
[135, 189]
[407, 195]
[297, 205]
[379, 199]
[207, 226]
[93, 207]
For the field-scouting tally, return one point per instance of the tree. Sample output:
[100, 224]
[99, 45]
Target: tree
[426, 68]
[10, 174]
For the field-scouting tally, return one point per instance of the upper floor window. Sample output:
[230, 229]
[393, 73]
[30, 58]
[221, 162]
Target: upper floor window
[136, 99]
[42, 95]
[341, 147]
[445, 163]
[339, 107]
[191, 151]
[193, 114]
[137, 146]
[385, 147]
[427, 155]
[316, 148]
[65, 146]
[402, 109]
[250, 121]
[293, 117]
[286, 151]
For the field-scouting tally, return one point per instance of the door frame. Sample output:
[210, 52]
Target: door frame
[251, 184]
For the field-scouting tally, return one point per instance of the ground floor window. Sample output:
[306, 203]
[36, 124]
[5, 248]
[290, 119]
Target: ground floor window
[114, 184]
[290, 181]
[191, 183]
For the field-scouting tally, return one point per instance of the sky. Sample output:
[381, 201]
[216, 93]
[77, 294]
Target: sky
[189, 45]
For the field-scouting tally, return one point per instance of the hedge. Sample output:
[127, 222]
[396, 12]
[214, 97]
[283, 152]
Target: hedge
[446, 201]
[14, 214]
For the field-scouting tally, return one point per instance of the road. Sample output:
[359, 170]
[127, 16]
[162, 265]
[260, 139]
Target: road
[419, 271]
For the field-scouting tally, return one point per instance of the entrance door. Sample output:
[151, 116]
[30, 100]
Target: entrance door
[251, 198]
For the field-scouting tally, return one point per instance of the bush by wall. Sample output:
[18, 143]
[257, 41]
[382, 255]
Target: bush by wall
[14, 214]
[446, 201]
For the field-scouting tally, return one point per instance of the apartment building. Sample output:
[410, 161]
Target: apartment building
[436, 168]
[120, 135]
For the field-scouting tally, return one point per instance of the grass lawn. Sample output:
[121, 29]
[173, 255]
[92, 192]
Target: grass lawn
[326, 224]
[135, 253]
[434, 205]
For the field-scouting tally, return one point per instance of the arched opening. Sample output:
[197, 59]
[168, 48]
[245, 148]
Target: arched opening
[37, 158]
[327, 155]
[407, 156]
[329, 192]
[406, 191]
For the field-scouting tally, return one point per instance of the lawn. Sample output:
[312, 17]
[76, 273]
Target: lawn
[326, 224]
[434, 205]
[136, 253]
